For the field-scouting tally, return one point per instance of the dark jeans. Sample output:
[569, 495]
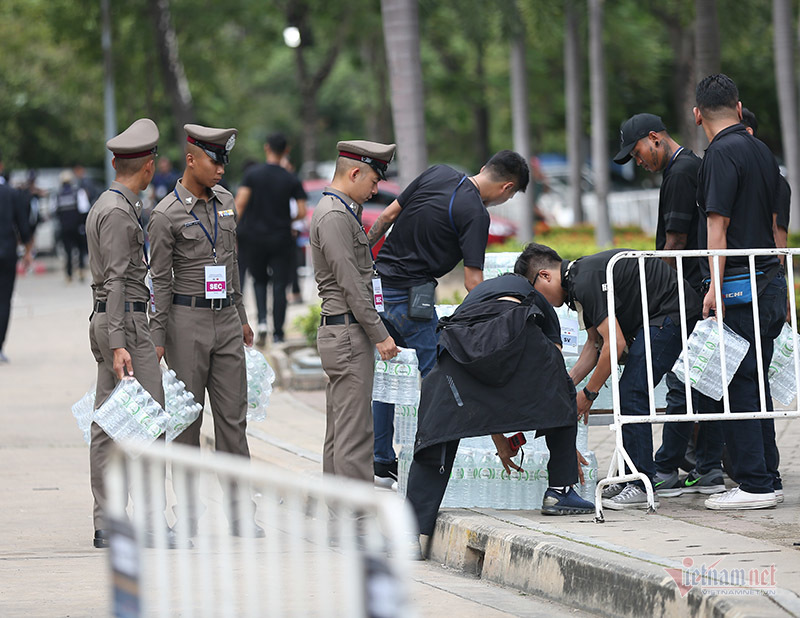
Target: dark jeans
[427, 482]
[74, 241]
[267, 262]
[751, 443]
[407, 333]
[675, 436]
[665, 343]
[8, 274]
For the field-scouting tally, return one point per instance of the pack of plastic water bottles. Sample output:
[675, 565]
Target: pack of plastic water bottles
[179, 404]
[397, 380]
[781, 374]
[83, 411]
[260, 377]
[131, 415]
[704, 351]
[478, 478]
[496, 264]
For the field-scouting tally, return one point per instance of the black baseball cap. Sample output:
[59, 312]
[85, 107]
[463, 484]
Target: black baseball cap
[632, 130]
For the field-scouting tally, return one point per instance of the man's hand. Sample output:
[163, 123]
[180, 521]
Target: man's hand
[584, 405]
[247, 335]
[581, 462]
[387, 348]
[710, 304]
[160, 352]
[505, 452]
[122, 363]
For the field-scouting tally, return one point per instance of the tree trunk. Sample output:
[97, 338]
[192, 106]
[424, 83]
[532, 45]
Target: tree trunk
[574, 96]
[481, 109]
[707, 51]
[175, 81]
[110, 116]
[401, 35]
[521, 131]
[600, 155]
[787, 94]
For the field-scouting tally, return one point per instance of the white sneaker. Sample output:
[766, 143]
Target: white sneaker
[631, 497]
[779, 496]
[738, 499]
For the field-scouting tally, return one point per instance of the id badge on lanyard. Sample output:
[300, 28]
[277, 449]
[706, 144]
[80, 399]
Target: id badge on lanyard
[216, 282]
[377, 294]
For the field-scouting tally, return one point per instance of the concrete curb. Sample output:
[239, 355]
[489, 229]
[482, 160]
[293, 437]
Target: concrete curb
[602, 580]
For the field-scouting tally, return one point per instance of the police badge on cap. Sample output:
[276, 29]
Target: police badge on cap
[216, 143]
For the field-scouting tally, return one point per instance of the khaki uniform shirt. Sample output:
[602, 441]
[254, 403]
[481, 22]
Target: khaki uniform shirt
[181, 250]
[116, 257]
[343, 263]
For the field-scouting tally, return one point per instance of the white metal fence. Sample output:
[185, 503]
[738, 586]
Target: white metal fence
[333, 547]
[620, 458]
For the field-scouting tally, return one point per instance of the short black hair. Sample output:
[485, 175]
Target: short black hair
[749, 120]
[277, 143]
[508, 165]
[535, 257]
[716, 92]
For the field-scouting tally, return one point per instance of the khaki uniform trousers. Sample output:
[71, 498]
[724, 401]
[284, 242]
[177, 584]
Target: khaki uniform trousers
[205, 349]
[348, 359]
[145, 369]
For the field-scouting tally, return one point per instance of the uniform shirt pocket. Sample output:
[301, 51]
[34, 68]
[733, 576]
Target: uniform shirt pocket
[192, 242]
[137, 243]
[227, 232]
[362, 251]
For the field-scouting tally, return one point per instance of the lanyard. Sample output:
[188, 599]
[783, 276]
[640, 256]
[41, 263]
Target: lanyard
[139, 219]
[677, 152]
[355, 216]
[203, 227]
[450, 208]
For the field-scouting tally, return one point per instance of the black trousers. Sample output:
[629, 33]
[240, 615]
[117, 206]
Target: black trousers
[8, 274]
[74, 241]
[269, 262]
[427, 482]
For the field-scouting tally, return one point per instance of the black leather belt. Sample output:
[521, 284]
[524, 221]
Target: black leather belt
[335, 320]
[199, 301]
[100, 307]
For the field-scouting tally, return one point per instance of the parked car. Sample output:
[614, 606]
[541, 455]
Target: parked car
[500, 228]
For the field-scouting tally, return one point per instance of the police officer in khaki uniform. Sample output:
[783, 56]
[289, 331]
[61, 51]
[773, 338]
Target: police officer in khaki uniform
[119, 333]
[350, 326]
[200, 323]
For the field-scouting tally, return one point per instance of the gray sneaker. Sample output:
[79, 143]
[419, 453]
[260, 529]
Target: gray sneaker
[609, 491]
[668, 486]
[632, 497]
[708, 483]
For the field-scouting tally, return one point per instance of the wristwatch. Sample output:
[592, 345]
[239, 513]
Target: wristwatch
[590, 395]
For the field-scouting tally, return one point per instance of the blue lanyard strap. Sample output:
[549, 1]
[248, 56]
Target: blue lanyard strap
[450, 208]
[203, 227]
[139, 219]
[355, 216]
[674, 156]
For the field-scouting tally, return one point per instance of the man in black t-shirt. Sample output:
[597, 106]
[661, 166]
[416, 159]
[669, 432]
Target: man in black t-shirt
[439, 220]
[644, 139]
[737, 188]
[582, 285]
[265, 231]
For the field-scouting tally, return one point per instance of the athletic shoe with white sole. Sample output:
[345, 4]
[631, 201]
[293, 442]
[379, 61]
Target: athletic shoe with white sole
[779, 495]
[609, 491]
[668, 486]
[632, 497]
[559, 502]
[738, 499]
[708, 483]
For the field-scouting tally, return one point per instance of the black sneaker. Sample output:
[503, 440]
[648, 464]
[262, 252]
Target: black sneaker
[708, 483]
[385, 474]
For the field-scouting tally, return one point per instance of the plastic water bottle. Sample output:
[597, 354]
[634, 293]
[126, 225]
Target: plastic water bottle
[83, 411]
[582, 439]
[131, 414]
[403, 466]
[484, 464]
[781, 368]
[705, 364]
[586, 491]
[496, 264]
[468, 482]
[405, 424]
[260, 377]
[453, 496]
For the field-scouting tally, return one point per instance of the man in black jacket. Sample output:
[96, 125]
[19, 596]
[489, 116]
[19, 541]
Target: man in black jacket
[14, 231]
[485, 353]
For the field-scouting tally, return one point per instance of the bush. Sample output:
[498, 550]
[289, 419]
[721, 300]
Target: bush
[574, 242]
[308, 324]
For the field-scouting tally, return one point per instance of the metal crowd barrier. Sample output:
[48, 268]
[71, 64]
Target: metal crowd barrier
[620, 458]
[333, 547]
